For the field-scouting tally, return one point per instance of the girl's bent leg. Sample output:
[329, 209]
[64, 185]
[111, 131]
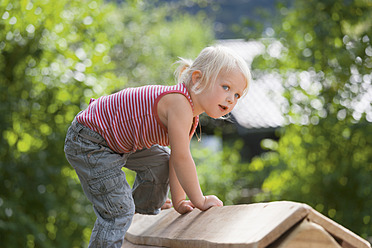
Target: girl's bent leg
[151, 186]
[104, 184]
[114, 207]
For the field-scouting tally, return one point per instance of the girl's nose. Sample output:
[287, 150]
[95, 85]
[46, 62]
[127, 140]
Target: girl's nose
[230, 99]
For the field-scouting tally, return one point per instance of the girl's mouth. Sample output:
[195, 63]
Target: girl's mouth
[223, 108]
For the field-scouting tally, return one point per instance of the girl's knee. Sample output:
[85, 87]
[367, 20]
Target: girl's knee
[112, 196]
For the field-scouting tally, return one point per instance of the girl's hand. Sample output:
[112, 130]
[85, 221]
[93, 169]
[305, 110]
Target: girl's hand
[211, 201]
[167, 204]
[184, 207]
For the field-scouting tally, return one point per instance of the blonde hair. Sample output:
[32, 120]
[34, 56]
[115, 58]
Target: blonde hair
[211, 61]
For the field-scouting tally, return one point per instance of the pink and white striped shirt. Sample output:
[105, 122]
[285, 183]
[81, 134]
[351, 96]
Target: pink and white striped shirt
[128, 120]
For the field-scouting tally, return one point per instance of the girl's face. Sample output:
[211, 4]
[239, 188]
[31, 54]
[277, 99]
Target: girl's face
[222, 96]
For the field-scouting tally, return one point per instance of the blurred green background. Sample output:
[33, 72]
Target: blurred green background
[56, 55]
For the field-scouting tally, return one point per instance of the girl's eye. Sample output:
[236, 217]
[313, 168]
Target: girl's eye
[225, 87]
[237, 96]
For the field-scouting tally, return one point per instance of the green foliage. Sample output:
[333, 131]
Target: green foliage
[216, 172]
[55, 56]
[221, 172]
[328, 166]
[324, 157]
[154, 45]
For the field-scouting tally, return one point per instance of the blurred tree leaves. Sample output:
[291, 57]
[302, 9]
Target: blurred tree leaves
[55, 56]
[322, 50]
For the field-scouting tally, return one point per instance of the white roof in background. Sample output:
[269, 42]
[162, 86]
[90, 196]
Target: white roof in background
[261, 107]
[264, 105]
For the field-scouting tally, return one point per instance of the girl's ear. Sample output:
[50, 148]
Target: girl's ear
[196, 76]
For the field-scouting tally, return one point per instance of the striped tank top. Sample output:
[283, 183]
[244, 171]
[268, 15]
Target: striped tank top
[128, 120]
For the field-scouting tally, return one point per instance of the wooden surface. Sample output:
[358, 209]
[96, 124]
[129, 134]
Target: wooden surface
[306, 234]
[128, 244]
[254, 225]
[348, 239]
[250, 226]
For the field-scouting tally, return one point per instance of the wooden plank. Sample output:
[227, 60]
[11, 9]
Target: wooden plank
[348, 238]
[128, 244]
[306, 235]
[254, 225]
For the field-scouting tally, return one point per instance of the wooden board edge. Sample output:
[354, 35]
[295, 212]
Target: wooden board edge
[337, 230]
[301, 228]
[299, 215]
[128, 244]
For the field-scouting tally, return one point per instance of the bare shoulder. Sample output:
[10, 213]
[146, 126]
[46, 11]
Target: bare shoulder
[176, 99]
[174, 106]
[178, 118]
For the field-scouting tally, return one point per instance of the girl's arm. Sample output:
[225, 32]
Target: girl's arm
[183, 176]
[178, 194]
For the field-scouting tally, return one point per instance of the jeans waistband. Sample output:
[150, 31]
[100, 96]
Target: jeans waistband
[87, 133]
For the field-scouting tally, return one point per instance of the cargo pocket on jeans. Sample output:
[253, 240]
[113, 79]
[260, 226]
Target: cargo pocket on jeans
[112, 196]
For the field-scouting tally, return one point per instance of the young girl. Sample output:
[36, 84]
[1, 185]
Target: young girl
[133, 128]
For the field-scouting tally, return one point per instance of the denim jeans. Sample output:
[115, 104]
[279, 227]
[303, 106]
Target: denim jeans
[104, 183]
